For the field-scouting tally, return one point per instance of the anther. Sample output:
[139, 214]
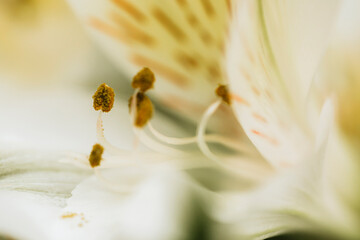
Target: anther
[144, 109]
[143, 80]
[96, 155]
[223, 92]
[103, 98]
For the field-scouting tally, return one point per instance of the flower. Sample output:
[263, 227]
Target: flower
[280, 101]
[179, 40]
[287, 187]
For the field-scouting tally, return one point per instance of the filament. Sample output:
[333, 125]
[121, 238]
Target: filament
[101, 137]
[201, 131]
[214, 138]
[143, 137]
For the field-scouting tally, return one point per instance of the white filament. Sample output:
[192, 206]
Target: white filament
[143, 137]
[102, 140]
[170, 140]
[208, 138]
[201, 131]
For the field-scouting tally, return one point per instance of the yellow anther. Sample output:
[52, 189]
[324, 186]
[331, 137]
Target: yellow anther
[144, 109]
[223, 92]
[96, 155]
[104, 98]
[143, 80]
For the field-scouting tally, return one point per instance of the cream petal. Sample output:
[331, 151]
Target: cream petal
[26, 216]
[342, 175]
[181, 41]
[156, 209]
[291, 202]
[270, 45]
[42, 174]
[341, 79]
[34, 43]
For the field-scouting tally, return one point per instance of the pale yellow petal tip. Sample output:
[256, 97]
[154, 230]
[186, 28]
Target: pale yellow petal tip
[223, 92]
[144, 109]
[143, 80]
[104, 98]
[96, 155]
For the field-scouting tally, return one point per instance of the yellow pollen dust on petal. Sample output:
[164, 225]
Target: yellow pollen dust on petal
[144, 109]
[96, 155]
[223, 92]
[69, 215]
[143, 80]
[103, 98]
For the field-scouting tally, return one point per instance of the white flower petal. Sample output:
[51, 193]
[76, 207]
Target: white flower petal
[295, 200]
[41, 174]
[289, 203]
[270, 72]
[342, 175]
[341, 77]
[26, 216]
[157, 209]
[181, 41]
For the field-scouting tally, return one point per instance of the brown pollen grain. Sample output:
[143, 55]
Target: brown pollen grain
[223, 92]
[104, 98]
[96, 155]
[144, 80]
[144, 109]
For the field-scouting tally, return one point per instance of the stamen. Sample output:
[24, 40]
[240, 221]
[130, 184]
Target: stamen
[95, 159]
[170, 140]
[104, 98]
[156, 146]
[143, 80]
[96, 155]
[223, 92]
[102, 140]
[189, 140]
[141, 110]
[201, 131]
[144, 109]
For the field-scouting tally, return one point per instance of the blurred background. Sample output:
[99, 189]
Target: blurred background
[49, 69]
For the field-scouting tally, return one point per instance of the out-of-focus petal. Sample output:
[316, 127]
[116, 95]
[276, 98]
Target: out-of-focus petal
[160, 208]
[271, 58]
[181, 41]
[26, 216]
[341, 79]
[39, 173]
[35, 46]
[292, 202]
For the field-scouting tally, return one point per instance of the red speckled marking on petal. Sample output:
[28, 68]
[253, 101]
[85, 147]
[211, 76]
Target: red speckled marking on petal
[259, 117]
[260, 134]
[239, 99]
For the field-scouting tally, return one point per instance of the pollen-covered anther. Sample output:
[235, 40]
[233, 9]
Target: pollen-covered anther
[223, 92]
[104, 98]
[144, 109]
[143, 80]
[96, 155]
